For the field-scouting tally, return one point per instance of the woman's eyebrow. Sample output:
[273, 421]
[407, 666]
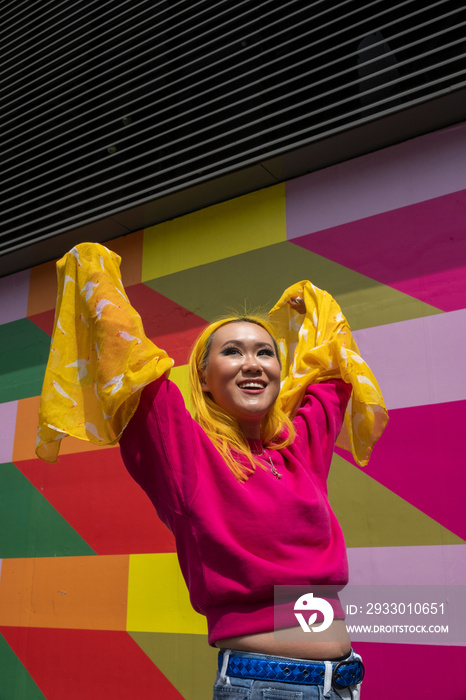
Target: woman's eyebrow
[258, 344]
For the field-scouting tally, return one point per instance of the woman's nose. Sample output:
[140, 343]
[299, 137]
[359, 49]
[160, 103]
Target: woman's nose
[251, 363]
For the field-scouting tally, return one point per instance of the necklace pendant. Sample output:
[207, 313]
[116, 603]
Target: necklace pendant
[275, 473]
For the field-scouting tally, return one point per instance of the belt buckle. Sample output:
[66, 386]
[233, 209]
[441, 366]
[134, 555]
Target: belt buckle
[335, 682]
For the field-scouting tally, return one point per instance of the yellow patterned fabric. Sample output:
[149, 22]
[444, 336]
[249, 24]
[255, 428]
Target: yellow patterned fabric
[317, 346]
[100, 358]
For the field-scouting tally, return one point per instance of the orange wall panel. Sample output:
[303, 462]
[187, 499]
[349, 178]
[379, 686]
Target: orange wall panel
[65, 592]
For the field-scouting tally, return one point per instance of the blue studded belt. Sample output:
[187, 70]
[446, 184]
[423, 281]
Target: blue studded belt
[344, 673]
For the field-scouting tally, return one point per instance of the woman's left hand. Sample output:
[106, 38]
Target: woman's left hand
[297, 303]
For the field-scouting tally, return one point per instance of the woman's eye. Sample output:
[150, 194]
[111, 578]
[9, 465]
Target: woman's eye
[230, 351]
[266, 351]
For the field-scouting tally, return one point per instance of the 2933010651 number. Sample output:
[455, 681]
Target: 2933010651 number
[396, 608]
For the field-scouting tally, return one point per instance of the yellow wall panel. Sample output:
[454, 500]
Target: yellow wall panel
[179, 374]
[220, 231]
[158, 600]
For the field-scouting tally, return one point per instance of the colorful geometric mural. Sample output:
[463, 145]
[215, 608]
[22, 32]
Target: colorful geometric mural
[92, 602]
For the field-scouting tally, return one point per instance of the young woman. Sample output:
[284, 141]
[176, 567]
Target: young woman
[242, 487]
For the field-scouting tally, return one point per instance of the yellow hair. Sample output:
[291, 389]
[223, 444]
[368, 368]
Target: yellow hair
[277, 430]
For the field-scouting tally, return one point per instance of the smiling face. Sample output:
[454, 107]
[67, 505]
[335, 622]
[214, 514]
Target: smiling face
[243, 373]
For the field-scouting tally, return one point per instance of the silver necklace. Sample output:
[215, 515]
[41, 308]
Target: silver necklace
[276, 473]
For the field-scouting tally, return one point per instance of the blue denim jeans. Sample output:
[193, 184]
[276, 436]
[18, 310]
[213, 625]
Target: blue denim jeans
[227, 687]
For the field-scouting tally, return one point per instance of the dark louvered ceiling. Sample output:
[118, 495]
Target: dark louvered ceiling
[112, 104]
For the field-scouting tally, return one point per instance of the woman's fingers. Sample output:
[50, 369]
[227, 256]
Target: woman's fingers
[297, 303]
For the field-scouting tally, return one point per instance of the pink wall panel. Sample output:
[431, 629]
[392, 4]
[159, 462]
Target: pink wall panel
[420, 361]
[421, 169]
[14, 292]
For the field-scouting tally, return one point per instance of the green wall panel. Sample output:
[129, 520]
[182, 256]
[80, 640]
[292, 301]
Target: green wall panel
[24, 352]
[29, 525]
[259, 277]
[15, 681]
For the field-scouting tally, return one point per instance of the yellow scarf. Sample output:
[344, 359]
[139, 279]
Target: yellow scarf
[100, 358]
[317, 346]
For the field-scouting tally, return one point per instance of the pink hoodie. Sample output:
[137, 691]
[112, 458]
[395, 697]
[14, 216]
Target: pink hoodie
[236, 541]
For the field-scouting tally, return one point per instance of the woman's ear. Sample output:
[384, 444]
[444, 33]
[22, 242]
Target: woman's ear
[203, 380]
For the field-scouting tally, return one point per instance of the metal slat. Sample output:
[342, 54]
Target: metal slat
[201, 109]
[49, 35]
[124, 24]
[149, 39]
[93, 215]
[82, 44]
[248, 113]
[250, 59]
[234, 131]
[40, 11]
[157, 114]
